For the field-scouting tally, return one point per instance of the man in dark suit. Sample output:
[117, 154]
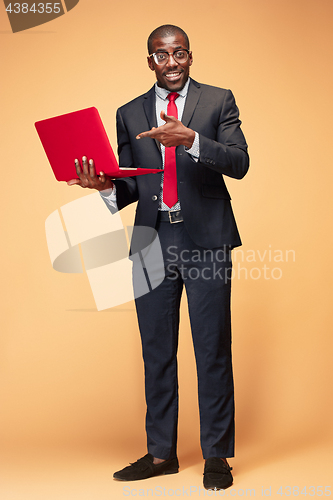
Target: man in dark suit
[193, 132]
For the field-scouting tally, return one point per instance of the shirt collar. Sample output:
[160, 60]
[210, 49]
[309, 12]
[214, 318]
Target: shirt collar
[163, 93]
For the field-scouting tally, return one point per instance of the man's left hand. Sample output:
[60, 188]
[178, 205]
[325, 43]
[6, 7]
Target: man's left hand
[172, 133]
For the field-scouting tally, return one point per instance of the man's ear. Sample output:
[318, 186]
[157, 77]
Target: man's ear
[150, 63]
[190, 58]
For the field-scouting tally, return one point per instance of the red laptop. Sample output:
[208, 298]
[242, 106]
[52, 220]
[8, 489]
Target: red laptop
[76, 134]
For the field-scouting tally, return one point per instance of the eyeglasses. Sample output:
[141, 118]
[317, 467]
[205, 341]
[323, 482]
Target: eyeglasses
[179, 55]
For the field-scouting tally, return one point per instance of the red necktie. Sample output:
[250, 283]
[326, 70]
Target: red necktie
[170, 195]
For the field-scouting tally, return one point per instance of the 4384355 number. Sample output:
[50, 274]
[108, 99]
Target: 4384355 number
[306, 491]
[36, 8]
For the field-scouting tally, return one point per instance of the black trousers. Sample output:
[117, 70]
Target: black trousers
[206, 275]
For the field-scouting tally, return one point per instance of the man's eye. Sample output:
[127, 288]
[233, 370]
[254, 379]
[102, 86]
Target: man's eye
[180, 54]
[161, 57]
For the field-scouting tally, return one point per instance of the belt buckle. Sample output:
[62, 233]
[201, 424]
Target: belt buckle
[170, 216]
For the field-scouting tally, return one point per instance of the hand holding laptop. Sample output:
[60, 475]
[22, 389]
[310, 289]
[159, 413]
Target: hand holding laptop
[87, 177]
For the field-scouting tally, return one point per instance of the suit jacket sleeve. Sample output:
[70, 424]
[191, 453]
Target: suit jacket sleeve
[227, 152]
[127, 189]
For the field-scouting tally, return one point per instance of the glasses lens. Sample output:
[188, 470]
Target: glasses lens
[180, 56]
[160, 57]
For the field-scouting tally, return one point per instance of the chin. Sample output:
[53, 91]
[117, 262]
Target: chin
[175, 86]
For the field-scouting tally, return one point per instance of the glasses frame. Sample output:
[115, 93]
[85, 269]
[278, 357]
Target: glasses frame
[169, 54]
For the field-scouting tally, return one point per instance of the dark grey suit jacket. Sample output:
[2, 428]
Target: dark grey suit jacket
[204, 198]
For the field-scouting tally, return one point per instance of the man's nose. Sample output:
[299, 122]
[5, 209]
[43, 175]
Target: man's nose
[171, 61]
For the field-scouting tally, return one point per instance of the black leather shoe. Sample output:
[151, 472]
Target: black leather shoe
[144, 468]
[217, 474]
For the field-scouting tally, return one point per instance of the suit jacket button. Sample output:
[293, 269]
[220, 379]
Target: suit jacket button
[154, 198]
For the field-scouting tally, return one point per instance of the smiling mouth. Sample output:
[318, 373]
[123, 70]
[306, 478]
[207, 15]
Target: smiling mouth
[175, 75]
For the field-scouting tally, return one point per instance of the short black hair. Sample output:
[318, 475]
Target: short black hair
[162, 32]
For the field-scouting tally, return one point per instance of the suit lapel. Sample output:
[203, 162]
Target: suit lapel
[193, 95]
[149, 105]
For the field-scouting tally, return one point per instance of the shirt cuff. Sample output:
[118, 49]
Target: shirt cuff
[194, 150]
[109, 196]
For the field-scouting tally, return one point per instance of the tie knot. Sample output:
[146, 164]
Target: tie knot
[172, 96]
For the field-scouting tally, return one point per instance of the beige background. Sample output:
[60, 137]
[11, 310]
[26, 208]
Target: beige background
[71, 378]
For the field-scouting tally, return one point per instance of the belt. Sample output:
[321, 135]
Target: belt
[171, 216]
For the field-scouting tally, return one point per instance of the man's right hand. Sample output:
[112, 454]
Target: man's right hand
[87, 177]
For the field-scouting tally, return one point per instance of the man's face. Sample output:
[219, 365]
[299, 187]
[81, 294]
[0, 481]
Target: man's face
[172, 75]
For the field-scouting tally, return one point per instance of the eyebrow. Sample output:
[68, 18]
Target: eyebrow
[164, 50]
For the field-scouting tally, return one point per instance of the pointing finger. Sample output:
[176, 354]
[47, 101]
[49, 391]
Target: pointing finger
[146, 134]
[143, 134]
